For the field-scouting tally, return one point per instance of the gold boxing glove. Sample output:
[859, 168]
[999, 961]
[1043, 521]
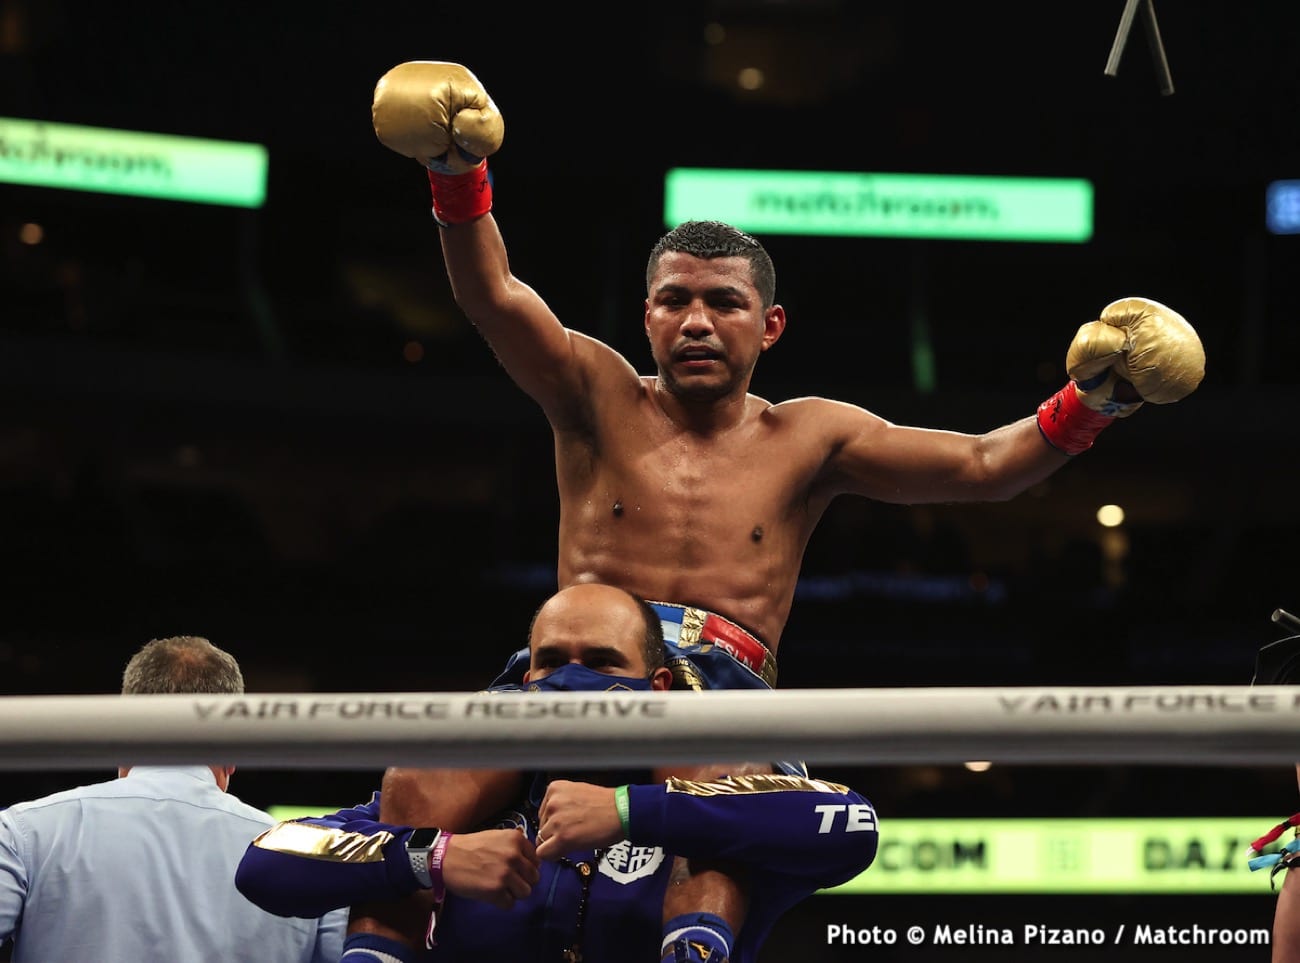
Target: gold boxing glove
[1143, 343]
[424, 108]
[439, 114]
[1137, 351]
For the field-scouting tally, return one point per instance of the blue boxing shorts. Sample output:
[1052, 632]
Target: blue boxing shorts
[703, 651]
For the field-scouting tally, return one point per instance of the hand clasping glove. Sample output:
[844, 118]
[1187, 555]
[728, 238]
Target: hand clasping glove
[1138, 350]
[439, 114]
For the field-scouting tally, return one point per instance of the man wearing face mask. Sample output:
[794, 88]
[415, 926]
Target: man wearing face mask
[575, 870]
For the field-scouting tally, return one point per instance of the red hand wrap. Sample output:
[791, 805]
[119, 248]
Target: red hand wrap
[1068, 424]
[458, 198]
[1274, 833]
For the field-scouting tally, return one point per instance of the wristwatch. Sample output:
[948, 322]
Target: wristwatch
[418, 845]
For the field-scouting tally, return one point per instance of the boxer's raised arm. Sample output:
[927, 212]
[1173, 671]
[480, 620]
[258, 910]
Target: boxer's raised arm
[1137, 351]
[440, 115]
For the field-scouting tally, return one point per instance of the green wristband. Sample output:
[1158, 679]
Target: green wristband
[624, 810]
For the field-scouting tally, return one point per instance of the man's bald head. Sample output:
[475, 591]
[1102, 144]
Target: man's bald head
[603, 627]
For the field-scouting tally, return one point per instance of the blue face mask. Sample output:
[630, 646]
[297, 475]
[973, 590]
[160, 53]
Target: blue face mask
[573, 677]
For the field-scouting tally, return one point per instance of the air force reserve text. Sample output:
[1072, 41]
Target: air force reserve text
[1173, 701]
[500, 706]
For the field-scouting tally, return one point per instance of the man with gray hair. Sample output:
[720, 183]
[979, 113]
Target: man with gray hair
[142, 867]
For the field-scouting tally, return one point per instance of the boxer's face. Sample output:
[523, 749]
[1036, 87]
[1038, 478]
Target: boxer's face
[707, 325]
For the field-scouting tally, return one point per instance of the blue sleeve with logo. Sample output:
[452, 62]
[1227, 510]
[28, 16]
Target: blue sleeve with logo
[819, 833]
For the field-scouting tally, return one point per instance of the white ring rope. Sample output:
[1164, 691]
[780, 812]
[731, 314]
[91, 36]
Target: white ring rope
[1167, 725]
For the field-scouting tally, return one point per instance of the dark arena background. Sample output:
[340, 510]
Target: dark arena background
[271, 426]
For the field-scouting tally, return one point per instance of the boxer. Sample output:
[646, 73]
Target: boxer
[682, 486]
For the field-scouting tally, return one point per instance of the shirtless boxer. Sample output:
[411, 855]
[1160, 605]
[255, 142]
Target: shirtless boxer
[682, 486]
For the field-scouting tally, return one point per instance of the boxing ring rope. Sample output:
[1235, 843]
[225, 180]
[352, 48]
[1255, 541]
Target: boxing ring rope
[1162, 725]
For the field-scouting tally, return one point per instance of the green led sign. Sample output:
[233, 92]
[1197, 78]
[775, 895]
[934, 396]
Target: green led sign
[284, 812]
[957, 207]
[108, 161]
[1055, 856]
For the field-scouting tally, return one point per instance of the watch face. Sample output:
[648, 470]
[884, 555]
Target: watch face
[422, 839]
